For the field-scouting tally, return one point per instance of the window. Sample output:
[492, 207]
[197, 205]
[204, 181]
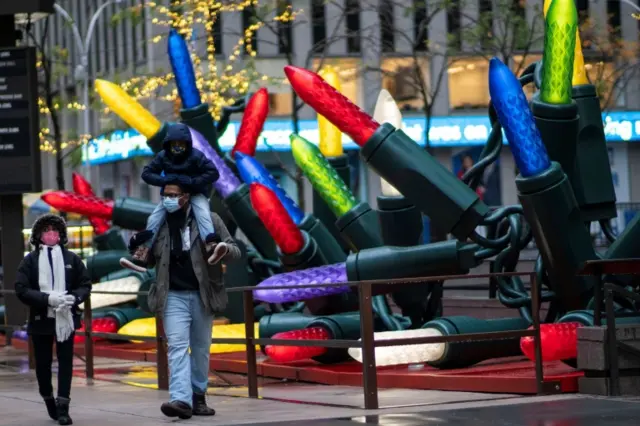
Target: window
[486, 22]
[353, 25]
[453, 24]
[319, 30]
[285, 29]
[613, 13]
[387, 28]
[404, 85]
[420, 26]
[106, 49]
[143, 21]
[216, 33]
[280, 104]
[113, 27]
[583, 10]
[248, 19]
[468, 84]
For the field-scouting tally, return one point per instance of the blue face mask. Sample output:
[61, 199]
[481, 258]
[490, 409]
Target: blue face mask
[172, 205]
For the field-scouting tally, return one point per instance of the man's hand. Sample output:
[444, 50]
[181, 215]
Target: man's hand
[138, 239]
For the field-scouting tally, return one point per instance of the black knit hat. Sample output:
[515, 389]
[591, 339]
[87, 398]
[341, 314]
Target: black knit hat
[42, 223]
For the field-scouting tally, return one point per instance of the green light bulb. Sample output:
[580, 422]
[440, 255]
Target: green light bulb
[559, 52]
[323, 177]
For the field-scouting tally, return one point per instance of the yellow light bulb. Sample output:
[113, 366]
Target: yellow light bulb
[579, 72]
[387, 111]
[330, 143]
[127, 108]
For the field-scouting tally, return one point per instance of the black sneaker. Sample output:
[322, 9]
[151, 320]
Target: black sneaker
[177, 409]
[63, 412]
[200, 407]
[52, 409]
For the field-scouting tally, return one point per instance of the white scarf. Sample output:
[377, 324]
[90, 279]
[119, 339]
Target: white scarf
[55, 284]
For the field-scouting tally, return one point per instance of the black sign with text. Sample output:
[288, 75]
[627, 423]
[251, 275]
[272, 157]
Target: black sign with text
[19, 142]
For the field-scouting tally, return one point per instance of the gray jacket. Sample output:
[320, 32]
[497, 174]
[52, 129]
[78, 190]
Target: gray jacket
[210, 277]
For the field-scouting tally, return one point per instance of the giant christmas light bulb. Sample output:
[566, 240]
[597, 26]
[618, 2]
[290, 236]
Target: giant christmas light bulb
[252, 123]
[579, 72]
[409, 354]
[438, 193]
[182, 68]
[331, 104]
[387, 111]
[559, 341]
[323, 177]
[516, 119]
[330, 136]
[298, 353]
[228, 181]
[127, 108]
[276, 219]
[251, 170]
[559, 51]
[82, 187]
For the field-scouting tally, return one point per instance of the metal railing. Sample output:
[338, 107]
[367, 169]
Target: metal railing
[366, 343]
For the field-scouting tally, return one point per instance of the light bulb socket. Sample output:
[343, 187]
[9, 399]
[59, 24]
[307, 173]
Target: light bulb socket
[558, 125]
[199, 118]
[143, 299]
[308, 257]
[131, 213]
[104, 263]
[400, 221]
[127, 273]
[562, 239]
[328, 245]
[593, 186]
[320, 207]
[216, 204]
[360, 227]
[124, 315]
[466, 354]
[156, 141]
[239, 205]
[450, 204]
[110, 240]
[231, 163]
[585, 317]
[626, 247]
[442, 258]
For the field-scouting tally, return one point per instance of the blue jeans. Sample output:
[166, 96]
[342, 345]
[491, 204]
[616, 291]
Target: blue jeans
[187, 326]
[201, 211]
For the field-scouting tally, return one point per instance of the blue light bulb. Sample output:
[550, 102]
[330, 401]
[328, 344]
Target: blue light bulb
[252, 171]
[517, 121]
[183, 70]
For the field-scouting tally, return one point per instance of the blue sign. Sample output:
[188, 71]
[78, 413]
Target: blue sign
[452, 131]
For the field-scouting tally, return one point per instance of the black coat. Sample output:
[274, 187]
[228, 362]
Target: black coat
[193, 171]
[28, 290]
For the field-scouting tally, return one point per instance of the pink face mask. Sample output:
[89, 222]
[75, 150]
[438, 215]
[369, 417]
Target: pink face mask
[50, 238]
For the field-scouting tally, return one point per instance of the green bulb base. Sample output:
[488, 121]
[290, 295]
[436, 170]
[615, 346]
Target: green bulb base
[143, 300]
[231, 163]
[239, 205]
[321, 209]
[400, 221]
[466, 354]
[110, 240]
[156, 141]
[328, 245]
[126, 315]
[558, 125]
[564, 242]
[201, 120]
[217, 206]
[585, 317]
[595, 193]
[442, 258]
[360, 227]
[131, 213]
[626, 247]
[126, 273]
[101, 264]
[452, 206]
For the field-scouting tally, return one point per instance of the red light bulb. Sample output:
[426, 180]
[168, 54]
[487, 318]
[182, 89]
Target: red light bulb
[98, 325]
[559, 342]
[331, 104]
[79, 204]
[297, 353]
[252, 123]
[82, 187]
[276, 219]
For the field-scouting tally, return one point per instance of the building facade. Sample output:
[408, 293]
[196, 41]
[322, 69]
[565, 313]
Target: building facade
[362, 38]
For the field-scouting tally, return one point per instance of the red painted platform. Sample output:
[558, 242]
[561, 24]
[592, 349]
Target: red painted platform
[510, 375]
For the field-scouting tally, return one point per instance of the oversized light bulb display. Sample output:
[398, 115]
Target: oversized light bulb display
[182, 67]
[330, 136]
[252, 123]
[82, 187]
[387, 111]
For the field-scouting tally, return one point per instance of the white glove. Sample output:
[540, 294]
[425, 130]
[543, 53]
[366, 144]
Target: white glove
[56, 299]
[69, 300]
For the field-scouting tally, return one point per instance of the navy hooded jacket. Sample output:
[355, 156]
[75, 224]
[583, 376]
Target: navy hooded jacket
[194, 172]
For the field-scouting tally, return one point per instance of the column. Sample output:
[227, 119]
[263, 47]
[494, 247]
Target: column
[439, 63]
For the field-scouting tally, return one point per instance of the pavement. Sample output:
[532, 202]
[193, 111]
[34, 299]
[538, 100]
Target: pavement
[124, 394]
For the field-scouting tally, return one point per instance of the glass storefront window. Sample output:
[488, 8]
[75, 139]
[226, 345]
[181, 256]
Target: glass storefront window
[402, 82]
[468, 83]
